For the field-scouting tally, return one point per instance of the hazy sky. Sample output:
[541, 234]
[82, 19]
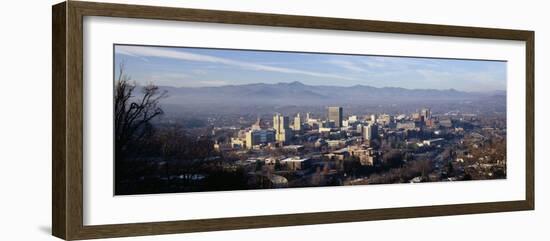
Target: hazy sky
[195, 67]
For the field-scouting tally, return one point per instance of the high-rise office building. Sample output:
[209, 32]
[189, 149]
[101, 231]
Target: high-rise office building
[297, 122]
[359, 128]
[335, 115]
[257, 137]
[281, 124]
[370, 132]
[426, 113]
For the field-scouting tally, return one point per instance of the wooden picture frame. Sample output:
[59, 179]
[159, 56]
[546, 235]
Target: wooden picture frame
[67, 152]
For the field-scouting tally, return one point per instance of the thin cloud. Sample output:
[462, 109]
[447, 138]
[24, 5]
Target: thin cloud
[137, 51]
[132, 55]
[374, 62]
[346, 65]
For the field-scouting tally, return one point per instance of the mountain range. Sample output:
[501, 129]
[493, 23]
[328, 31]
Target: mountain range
[297, 93]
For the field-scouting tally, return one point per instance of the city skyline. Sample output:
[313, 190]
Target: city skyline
[222, 133]
[200, 67]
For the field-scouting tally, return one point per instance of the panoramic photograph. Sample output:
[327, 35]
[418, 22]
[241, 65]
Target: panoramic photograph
[192, 119]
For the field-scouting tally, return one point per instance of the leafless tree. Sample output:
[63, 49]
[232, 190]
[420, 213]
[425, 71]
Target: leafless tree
[133, 113]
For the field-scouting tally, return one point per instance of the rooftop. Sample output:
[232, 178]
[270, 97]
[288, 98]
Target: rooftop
[295, 159]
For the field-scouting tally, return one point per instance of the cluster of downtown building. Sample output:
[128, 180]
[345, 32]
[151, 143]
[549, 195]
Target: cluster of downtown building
[334, 147]
[333, 136]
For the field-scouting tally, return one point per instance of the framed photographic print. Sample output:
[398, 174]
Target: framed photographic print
[171, 120]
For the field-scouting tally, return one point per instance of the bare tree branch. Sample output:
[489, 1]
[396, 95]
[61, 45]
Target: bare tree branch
[132, 115]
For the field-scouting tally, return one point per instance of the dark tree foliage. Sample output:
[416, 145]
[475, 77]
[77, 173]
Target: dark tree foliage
[392, 159]
[450, 169]
[132, 117]
[352, 166]
[219, 180]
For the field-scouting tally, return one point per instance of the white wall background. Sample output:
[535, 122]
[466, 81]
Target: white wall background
[25, 119]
